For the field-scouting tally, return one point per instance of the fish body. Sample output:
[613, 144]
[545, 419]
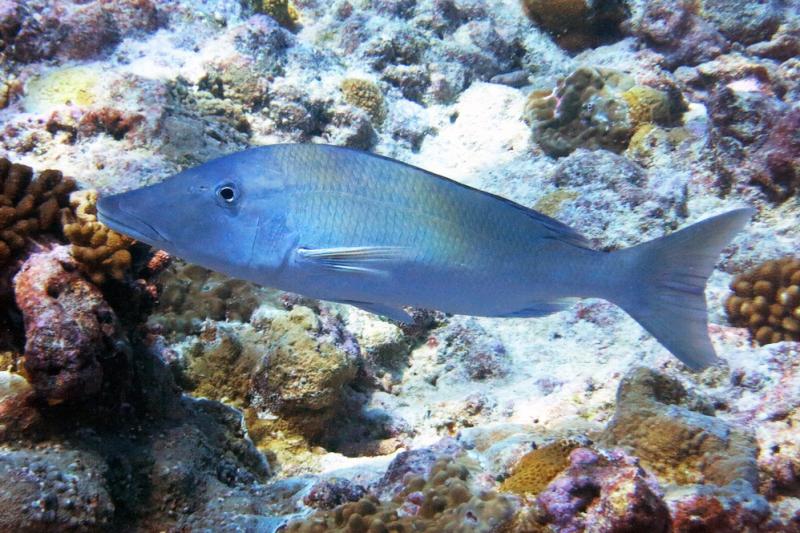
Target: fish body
[352, 227]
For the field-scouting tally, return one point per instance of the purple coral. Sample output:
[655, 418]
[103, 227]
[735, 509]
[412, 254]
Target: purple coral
[607, 493]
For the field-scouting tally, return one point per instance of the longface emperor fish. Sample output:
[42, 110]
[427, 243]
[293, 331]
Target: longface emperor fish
[347, 226]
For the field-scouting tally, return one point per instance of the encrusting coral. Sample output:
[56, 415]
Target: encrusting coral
[537, 468]
[594, 108]
[675, 435]
[29, 206]
[444, 502]
[100, 251]
[766, 300]
[365, 95]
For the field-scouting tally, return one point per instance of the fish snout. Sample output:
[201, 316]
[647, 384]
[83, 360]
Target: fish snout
[117, 212]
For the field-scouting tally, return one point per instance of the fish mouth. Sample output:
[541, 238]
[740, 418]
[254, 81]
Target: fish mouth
[111, 211]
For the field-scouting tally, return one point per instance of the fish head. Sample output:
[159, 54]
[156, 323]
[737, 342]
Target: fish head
[212, 215]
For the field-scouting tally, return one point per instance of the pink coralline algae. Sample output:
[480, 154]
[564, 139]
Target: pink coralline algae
[731, 509]
[674, 29]
[32, 30]
[70, 330]
[601, 493]
[756, 139]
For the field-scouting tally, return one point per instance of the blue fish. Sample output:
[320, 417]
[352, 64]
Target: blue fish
[352, 227]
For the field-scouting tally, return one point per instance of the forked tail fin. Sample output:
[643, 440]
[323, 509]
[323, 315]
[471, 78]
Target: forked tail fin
[666, 279]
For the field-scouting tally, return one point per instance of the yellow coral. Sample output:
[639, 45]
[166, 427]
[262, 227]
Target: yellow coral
[646, 105]
[100, 251]
[365, 95]
[29, 206]
[766, 300]
[551, 203]
[67, 86]
[538, 468]
[283, 11]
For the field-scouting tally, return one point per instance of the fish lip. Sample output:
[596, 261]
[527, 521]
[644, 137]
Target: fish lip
[123, 221]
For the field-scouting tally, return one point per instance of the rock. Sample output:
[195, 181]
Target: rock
[37, 30]
[71, 332]
[53, 491]
[674, 29]
[734, 507]
[602, 493]
[308, 364]
[675, 434]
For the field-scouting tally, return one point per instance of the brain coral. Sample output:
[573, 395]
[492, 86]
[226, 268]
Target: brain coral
[100, 251]
[537, 468]
[29, 206]
[593, 108]
[766, 300]
[443, 502]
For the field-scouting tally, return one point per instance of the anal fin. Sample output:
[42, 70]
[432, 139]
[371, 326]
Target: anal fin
[540, 309]
[395, 313]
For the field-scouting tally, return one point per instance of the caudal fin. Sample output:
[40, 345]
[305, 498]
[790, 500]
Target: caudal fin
[666, 279]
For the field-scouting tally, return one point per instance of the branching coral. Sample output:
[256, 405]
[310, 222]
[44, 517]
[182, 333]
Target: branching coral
[766, 300]
[366, 95]
[29, 206]
[100, 251]
[444, 502]
[594, 108]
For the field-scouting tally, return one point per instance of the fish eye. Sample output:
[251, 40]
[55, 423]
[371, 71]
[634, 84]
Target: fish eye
[227, 193]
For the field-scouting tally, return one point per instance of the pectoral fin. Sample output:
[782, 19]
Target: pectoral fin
[357, 259]
[395, 313]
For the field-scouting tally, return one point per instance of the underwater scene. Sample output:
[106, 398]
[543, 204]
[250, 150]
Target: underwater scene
[376, 266]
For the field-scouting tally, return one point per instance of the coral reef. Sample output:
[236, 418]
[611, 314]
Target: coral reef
[191, 294]
[71, 332]
[675, 434]
[283, 11]
[307, 366]
[100, 251]
[365, 95]
[594, 108]
[766, 300]
[34, 30]
[75, 86]
[537, 468]
[220, 366]
[674, 29]
[445, 501]
[599, 493]
[27, 206]
[53, 490]
[577, 24]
